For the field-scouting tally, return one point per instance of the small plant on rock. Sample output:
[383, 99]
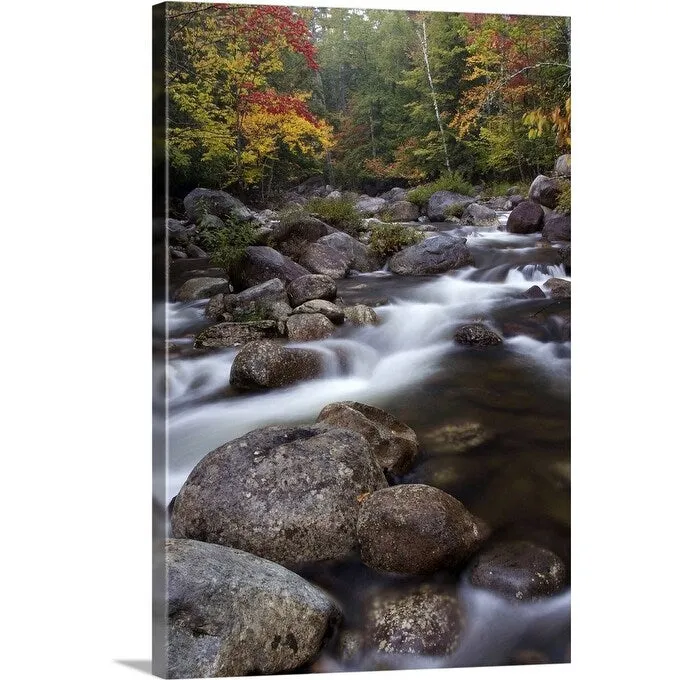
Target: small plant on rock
[387, 239]
[455, 210]
[338, 212]
[564, 201]
[454, 182]
[227, 245]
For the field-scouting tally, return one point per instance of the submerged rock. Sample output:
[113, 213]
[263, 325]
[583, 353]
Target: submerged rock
[265, 364]
[435, 255]
[311, 287]
[416, 529]
[288, 494]
[304, 327]
[394, 444]
[458, 438]
[230, 334]
[231, 613]
[518, 570]
[477, 334]
[425, 620]
[525, 218]
[201, 288]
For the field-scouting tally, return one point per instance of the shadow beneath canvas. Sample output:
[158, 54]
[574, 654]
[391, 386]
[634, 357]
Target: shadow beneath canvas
[141, 665]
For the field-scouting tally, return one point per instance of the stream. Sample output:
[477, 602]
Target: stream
[515, 398]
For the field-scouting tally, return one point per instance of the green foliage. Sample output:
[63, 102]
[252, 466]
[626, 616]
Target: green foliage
[253, 312]
[387, 239]
[455, 210]
[564, 201]
[500, 188]
[227, 245]
[454, 182]
[339, 213]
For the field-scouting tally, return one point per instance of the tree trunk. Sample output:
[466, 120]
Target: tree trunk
[422, 37]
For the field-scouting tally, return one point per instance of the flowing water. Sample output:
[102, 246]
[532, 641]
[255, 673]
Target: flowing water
[515, 397]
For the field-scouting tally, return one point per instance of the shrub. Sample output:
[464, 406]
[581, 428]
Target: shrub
[454, 182]
[339, 213]
[494, 189]
[387, 239]
[564, 201]
[455, 210]
[226, 245]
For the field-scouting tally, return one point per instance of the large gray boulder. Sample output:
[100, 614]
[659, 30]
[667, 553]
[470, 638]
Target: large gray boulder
[395, 444]
[233, 614]
[563, 165]
[266, 364]
[322, 259]
[361, 315]
[232, 334]
[518, 570]
[423, 620]
[358, 254]
[200, 288]
[199, 202]
[179, 232]
[557, 227]
[394, 195]
[305, 327]
[311, 287]
[545, 191]
[480, 216]
[442, 202]
[525, 218]
[368, 206]
[267, 300]
[436, 255]
[401, 211]
[262, 263]
[416, 529]
[331, 311]
[288, 494]
[302, 228]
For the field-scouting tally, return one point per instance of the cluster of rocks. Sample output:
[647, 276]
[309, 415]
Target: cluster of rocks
[281, 498]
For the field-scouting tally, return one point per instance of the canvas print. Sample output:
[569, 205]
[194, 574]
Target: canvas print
[362, 337]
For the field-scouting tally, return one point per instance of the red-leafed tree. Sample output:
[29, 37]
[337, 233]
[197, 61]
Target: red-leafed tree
[225, 115]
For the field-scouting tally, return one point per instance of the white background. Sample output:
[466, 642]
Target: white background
[76, 360]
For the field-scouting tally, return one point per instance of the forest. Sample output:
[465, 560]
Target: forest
[261, 98]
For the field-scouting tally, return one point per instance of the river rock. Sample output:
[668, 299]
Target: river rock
[563, 165]
[442, 202]
[534, 293]
[303, 228]
[304, 327]
[480, 216]
[395, 194]
[559, 288]
[557, 227]
[322, 259]
[477, 335]
[263, 236]
[263, 263]
[288, 494]
[424, 620]
[194, 251]
[435, 255]
[565, 258]
[219, 203]
[394, 444]
[265, 364]
[358, 254]
[328, 309]
[525, 218]
[311, 287]
[267, 300]
[518, 570]
[234, 614]
[458, 438]
[201, 288]
[514, 201]
[545, 191]
[361, 315]
[179, 232]
[401, 211]
[177, 254]
[367, 206]
[416, 529]
[231, 334]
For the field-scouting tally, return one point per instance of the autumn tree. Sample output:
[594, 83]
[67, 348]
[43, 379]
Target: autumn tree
[228, 124]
